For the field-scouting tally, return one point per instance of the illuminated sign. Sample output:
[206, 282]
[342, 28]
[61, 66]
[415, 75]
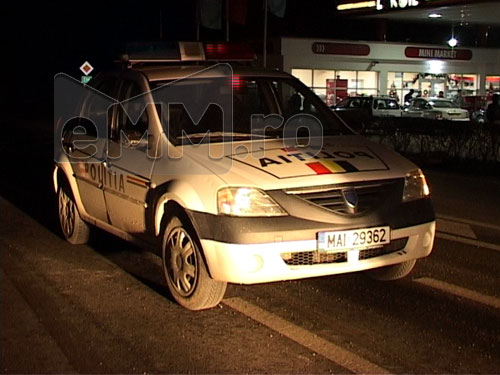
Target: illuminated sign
[357, 5]
[438, 53]
[385, 5]
[396, 4]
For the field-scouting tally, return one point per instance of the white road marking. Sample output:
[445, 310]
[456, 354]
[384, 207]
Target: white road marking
[470, 222]
[468, 241]
[332, 352]
[460, 292]
[454, 227]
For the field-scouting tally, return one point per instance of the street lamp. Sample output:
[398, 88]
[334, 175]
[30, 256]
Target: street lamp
[453, 41]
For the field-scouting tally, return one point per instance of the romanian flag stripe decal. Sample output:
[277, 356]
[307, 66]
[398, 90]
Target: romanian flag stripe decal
[318, 168]
[347, 166]
[137, 181]
[329, 166]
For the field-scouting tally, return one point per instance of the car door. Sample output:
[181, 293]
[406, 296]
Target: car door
[416, 108]
[86, 147]
[378, 108]
[128, 168]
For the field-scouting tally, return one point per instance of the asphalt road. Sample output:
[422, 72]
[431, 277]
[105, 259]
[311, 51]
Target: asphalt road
[103, 307]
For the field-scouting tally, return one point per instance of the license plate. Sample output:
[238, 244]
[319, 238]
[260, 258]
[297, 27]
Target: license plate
[353, 239]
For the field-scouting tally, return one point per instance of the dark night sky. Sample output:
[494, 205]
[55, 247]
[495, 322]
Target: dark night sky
[65, 33]
[59, 36]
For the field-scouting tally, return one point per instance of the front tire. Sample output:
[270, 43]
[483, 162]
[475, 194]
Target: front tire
[394, 272]
[75, 230]
[185, 270]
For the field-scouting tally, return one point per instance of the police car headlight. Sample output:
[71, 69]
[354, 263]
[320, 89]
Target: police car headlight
[415, 186]
[247, 202]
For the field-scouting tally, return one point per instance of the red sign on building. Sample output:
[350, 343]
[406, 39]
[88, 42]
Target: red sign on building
[438, 53]
[325, 48]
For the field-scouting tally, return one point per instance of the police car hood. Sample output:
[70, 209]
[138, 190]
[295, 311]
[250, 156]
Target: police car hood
[274, 164]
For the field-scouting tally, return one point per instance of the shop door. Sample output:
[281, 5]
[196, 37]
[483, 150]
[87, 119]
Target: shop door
[432, 87]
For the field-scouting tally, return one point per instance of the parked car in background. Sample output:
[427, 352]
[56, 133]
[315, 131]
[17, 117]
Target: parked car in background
[369, 106]
[436, 109]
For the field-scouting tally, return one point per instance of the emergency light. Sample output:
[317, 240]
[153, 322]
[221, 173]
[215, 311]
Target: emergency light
[164, 52]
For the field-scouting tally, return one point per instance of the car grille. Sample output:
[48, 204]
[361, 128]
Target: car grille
[370, 194]
[309, 258]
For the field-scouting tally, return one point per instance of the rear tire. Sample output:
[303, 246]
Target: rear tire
[75, 230]
[394, 272]
[185, 270]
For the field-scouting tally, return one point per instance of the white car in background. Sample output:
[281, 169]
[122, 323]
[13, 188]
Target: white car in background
[373, 106]
[436, 109]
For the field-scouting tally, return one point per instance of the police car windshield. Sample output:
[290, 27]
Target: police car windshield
[253, 99]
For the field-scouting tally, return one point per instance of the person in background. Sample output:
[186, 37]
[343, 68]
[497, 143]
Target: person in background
[441, 94]
[459, 99]
[408, 97]
[493, 110]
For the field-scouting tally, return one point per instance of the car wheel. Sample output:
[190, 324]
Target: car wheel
[75, 230]
[394, 272]
[185, 271]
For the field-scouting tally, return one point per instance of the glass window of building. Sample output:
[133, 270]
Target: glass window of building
[304, 75]
[367, 83]
[320, 77]
[352, 81]
[492, 83]
[322, 81]
[468, 83]
[427, 84]
[410, 81]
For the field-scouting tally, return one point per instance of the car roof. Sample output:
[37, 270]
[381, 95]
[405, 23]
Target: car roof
[169, 72]
[369, 97]
[435, 99]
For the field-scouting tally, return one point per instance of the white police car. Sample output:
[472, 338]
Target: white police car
[232, 174]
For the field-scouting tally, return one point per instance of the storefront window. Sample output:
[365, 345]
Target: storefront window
[305, 75]
[410, 81]
[333, 85]
[429, 85]
[321, 93]
[465, 82]
[367, 92]
[492, 83]
[395, 80]
[352, 83]
[320, 77]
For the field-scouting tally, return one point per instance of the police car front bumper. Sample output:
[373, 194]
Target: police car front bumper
[266, 262]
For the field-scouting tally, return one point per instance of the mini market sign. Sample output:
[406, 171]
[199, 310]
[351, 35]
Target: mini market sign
[438, 53]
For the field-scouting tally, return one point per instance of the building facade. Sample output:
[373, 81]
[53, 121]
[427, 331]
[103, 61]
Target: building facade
[383, 68]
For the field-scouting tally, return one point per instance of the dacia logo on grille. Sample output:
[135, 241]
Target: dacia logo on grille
[351, 199]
